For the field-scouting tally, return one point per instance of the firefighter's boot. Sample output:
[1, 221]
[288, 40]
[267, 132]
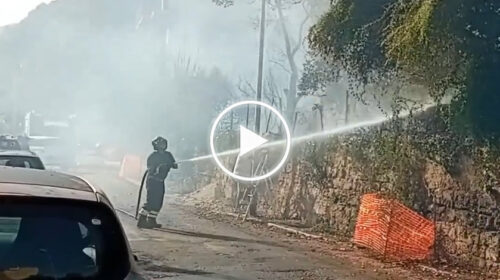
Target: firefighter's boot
[143, 220]
[152, 220]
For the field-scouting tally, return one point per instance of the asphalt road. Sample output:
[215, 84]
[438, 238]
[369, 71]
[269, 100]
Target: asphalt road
[191, 247]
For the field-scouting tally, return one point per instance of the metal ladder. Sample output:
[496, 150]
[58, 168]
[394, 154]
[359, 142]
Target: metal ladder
[246, 194]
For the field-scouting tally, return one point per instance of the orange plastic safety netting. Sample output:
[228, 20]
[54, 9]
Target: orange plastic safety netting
[393, 230]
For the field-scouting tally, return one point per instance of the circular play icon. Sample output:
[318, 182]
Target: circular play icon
[254, 153]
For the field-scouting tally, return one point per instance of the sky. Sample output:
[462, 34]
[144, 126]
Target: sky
[13, 11]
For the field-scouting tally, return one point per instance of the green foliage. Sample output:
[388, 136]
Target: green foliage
[316, 157]
[393, 157]
[419, 47]
[396, 152]
[223, 3]
[441, 44]
[487, 159]
[389, 160]
[316, 76]
[334, 19]
[341, 34]
[410, 28]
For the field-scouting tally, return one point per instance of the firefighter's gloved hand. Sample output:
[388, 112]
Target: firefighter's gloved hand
[174, 165]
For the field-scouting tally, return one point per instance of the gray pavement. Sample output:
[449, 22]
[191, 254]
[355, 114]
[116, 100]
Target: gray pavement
[191, 247]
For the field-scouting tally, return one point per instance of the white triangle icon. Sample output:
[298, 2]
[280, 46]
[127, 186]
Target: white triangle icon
[249, 140]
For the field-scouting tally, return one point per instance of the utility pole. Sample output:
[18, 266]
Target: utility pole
[15, 90]
[261, 65]
[163, 22]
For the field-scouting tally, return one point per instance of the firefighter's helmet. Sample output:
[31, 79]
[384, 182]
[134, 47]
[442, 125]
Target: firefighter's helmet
[160, 143]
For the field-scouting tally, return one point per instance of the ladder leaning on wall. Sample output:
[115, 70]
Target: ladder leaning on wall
[247, 194]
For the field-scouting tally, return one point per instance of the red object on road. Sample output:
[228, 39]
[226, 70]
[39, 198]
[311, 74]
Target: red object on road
[393, 230]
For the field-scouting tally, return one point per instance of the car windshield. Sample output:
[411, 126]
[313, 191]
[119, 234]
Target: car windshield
[20, 161]
[55, 240]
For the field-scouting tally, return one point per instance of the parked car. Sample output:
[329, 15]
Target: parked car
[25, 159]
[54, 152]
[58, 226]
[9, 143]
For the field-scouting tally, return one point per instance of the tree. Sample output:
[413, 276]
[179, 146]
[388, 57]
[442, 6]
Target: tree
[224, 3]
[441, 44]
[292, 44]
[291, 49]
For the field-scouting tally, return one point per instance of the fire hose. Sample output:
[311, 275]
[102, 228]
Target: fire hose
[143, 180]
[140, 194]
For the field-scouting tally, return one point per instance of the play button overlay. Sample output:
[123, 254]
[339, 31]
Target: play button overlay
[249, 141]
[240, 151]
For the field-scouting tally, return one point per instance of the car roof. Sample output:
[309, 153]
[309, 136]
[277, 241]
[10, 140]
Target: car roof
[18, 153]
[7, 137]
[44, 183]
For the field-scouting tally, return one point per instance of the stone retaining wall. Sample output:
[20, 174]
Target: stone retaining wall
[323, 192]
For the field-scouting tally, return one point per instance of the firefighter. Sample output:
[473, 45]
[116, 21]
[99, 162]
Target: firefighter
[159, 164]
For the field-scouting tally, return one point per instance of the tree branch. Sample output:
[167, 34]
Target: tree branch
[246, 89]
[280, 64]
[288, 46]
[301, 38]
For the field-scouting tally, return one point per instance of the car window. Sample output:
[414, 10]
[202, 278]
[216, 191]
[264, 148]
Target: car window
[8, 230]
[47, 240]
[20, 161]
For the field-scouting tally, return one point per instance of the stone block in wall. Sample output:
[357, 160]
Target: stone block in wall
[450, 232]
[482, 221]
[467, 246]
[447, 235]
[449, 215]
[490, 240]
[353, 201]
[461, 200]
[496, 223]
[486, 204]
[444, 198]
[466, 218]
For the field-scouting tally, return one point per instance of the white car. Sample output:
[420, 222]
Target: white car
[58, 226]
[24, 159]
